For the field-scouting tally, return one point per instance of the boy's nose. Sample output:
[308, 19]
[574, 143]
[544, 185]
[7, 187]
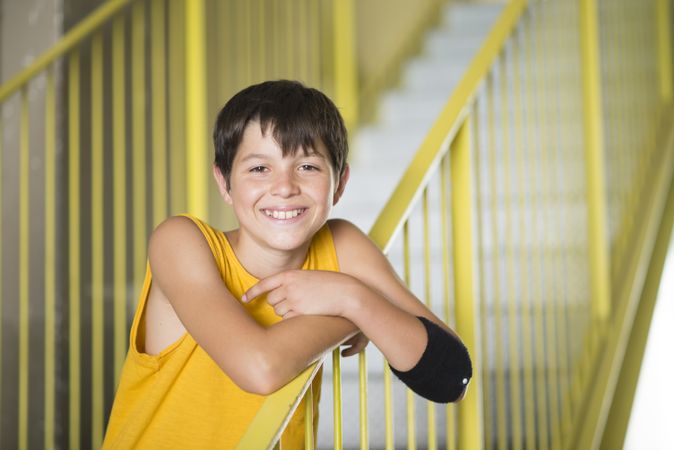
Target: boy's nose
[285, 185]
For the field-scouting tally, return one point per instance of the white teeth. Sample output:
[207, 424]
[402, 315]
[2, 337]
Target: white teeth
[283, 215]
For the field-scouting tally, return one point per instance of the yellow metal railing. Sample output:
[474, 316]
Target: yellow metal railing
[516, 221]
[562, 121]
[121, 108]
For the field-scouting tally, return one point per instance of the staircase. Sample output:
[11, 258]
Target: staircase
[380, 154]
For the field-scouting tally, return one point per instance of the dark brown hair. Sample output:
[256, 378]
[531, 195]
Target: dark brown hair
[297, 116]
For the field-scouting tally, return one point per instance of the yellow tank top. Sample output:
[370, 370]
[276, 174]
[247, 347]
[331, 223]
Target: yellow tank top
[181, 398]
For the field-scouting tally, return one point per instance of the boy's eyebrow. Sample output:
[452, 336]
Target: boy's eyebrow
[311, 152]
[254, 156]
[263, 156]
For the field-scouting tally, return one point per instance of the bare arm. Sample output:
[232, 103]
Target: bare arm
[367, 292]
[370, 294]
[257, 359]
[382, 303]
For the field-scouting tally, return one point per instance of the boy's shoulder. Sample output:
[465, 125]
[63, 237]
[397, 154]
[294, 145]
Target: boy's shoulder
[343, 229]
[179, 226]
[356, 252]
[180, 237]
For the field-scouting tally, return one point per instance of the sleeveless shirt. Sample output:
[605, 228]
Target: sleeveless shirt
[181, 398]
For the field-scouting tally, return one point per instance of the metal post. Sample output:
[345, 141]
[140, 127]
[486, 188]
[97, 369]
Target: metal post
[195, 108]
[470, 409]
[594, 162]
[346, 96]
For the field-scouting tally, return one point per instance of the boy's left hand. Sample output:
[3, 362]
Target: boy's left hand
[355, 345]
[306, 292]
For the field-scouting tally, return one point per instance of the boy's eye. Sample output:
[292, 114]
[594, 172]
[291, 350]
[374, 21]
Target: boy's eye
[308, 167]
[258, 169]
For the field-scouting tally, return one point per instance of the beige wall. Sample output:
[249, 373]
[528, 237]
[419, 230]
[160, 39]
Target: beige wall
[382, 27]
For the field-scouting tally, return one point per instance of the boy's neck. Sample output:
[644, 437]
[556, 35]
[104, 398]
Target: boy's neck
[263, 262]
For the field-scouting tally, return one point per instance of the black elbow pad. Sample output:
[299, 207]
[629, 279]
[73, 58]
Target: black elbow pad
[444, 370]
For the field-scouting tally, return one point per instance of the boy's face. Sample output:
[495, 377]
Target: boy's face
[280, 202]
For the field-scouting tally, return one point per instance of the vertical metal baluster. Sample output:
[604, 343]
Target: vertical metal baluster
[482, 299]
[562, 262]
[388, 407]
[262, 33]
[138, 144]
[515, 412]
[97, 248]
[525, 299]
[664, 50]
[119, 192]
[24, 270]
[501, 424]
[622, 146]
[533, 147]
[432, 434]
[470, 408]
[195, 109]
[74, 223]
[176, 107]
[344, 65]
[302, 42]
[309, 418]
[411, 415]
[362, 393]
[337, 399]
[594, 151]
[544, 191]
[49, 258]
[159, 145]
[246, 39]
[561, 145]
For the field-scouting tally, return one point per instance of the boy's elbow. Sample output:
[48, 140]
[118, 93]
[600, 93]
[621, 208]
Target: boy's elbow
[258, 387]
[259, 375]
[261, 385]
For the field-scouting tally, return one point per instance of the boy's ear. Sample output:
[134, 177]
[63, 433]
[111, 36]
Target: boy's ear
[341, 185]
[222, 184]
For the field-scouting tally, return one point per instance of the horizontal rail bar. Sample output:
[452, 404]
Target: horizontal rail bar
[400, 203]
[266, 428]
[80, 32]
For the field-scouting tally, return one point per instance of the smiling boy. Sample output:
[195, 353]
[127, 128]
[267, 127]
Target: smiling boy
[225, 318]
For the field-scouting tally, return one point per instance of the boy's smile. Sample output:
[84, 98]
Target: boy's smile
[280, 202]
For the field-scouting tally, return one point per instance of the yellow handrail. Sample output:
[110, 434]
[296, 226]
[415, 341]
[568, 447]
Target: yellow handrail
[550, 347]
[435, 144]
[69, 41]
[266, 428]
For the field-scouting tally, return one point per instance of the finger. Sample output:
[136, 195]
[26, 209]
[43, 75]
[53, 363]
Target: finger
[276, 296]
[281, 309]
[353, 350]
[290, 314]
[262, 286]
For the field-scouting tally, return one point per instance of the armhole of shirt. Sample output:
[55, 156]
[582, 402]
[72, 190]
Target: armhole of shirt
[326, 252]
[137, 326]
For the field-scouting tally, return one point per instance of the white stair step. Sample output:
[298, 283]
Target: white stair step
[467, 15]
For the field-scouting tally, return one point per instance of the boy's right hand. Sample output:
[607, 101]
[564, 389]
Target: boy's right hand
[307, 292]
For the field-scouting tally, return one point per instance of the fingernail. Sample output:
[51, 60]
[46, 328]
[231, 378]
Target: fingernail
[244, 298]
